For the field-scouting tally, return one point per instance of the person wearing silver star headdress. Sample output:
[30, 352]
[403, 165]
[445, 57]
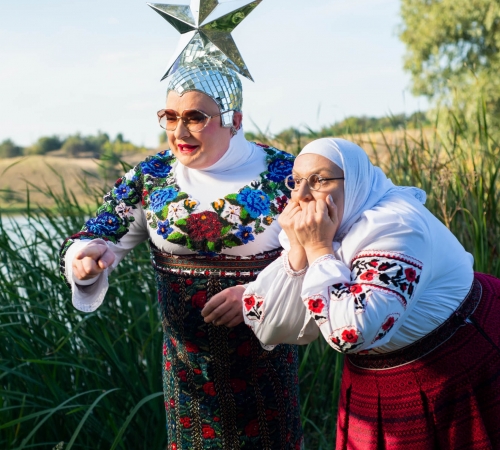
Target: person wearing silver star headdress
[209, 209]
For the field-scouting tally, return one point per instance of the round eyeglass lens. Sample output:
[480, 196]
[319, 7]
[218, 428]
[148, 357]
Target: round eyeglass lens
[290, 182]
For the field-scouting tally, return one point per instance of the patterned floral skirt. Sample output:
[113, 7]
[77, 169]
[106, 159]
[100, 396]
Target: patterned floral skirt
[222, 390]
[447, 398]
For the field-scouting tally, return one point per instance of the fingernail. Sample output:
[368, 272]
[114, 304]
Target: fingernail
[330, 198]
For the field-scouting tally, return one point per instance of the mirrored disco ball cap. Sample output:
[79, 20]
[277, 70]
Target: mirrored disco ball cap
[207, 59]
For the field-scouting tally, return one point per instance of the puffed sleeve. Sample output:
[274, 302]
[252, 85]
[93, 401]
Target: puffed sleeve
[273, 309]
[360, 305]
[120, 224]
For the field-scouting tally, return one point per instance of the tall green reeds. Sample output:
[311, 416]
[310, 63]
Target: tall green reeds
[70, 380]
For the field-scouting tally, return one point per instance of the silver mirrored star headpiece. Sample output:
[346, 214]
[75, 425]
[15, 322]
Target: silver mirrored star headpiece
[207, 59]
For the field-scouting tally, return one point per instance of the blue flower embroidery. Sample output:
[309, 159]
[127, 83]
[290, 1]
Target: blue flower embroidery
[159, 199]
[122, 191]
[255, 202]
[245, 234]
[164, 229]
[105, 224]
[156, 168]
[279, 169]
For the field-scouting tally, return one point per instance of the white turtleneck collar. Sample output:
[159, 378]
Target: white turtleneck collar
[240, 151]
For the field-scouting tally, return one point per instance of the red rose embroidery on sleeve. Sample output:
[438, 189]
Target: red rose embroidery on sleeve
[350, 336]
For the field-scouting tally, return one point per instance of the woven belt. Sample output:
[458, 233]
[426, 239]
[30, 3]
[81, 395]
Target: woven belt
[209, 266]
[426, 344]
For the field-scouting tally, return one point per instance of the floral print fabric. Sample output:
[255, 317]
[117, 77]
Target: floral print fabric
[218, 379]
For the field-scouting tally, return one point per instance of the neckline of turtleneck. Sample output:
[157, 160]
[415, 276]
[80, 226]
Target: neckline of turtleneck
[240, 151]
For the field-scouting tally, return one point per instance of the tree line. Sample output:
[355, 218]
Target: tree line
[100, 146]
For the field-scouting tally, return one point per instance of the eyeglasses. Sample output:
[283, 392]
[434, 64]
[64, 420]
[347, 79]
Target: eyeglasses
[314, 181]
[194, 120]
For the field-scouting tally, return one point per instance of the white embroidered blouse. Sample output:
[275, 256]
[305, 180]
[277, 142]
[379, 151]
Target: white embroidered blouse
[395, 276]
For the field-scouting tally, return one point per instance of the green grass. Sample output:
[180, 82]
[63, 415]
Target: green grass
[93, 381]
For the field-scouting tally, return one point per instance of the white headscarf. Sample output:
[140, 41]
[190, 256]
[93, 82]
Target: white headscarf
[364, 184]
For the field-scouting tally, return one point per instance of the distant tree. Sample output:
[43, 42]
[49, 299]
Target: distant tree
[75, 145]
[453, 51]
[10, 150]
[48, 144]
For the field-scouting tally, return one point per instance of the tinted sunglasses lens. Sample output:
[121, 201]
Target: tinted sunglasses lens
[194, 120]
[170, 119]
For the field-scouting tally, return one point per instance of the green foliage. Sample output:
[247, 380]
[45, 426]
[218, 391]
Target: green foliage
[47, 144]
[10, 150]
[453, 52]
[365, 124]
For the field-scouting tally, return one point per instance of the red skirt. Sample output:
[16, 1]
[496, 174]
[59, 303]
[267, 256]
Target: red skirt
[447, 399]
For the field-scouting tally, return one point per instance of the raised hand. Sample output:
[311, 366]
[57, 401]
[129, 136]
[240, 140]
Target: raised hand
[316, 226]
[225, 308]
[92, 260]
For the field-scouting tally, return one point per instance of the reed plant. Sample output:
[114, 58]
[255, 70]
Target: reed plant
[70, 380]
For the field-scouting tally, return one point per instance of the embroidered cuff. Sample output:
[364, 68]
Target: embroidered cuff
[289, 271]
[324, 258]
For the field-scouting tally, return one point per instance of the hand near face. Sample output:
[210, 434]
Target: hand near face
[315, 227]
[225, 308]
[287, 221]
[92, 260]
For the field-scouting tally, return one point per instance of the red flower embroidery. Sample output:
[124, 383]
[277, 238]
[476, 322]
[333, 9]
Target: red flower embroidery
[204, 225]
[289, 358]
[199, 299]
[249, 302]
[373, 263]
[410, 274]
[192, 348]
[175, 287]
[252, 428]
[172, 403]
[197, 371]
[368, 275]
[208, 432]
[174, 342]
[244, 349]
[238, 385]
[316, 305]
[388, 324]
[355, 289]
[384, 266]
[189, 282]
[336, 340]
[216, 419]
[168, 365]
[182, 374]
[209, 388]
[174, 446]
[164, 349]
[186, 422]
[350, 336]
[282, 202]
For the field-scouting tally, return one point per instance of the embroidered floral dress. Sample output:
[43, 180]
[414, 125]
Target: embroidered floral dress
[385, 286]
[222, 389]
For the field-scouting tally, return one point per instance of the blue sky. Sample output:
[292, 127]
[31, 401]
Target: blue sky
[87, 65]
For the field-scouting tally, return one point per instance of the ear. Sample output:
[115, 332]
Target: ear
[237, 119]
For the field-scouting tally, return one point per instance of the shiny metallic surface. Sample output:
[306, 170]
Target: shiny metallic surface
[201, 70]
[217, 21]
